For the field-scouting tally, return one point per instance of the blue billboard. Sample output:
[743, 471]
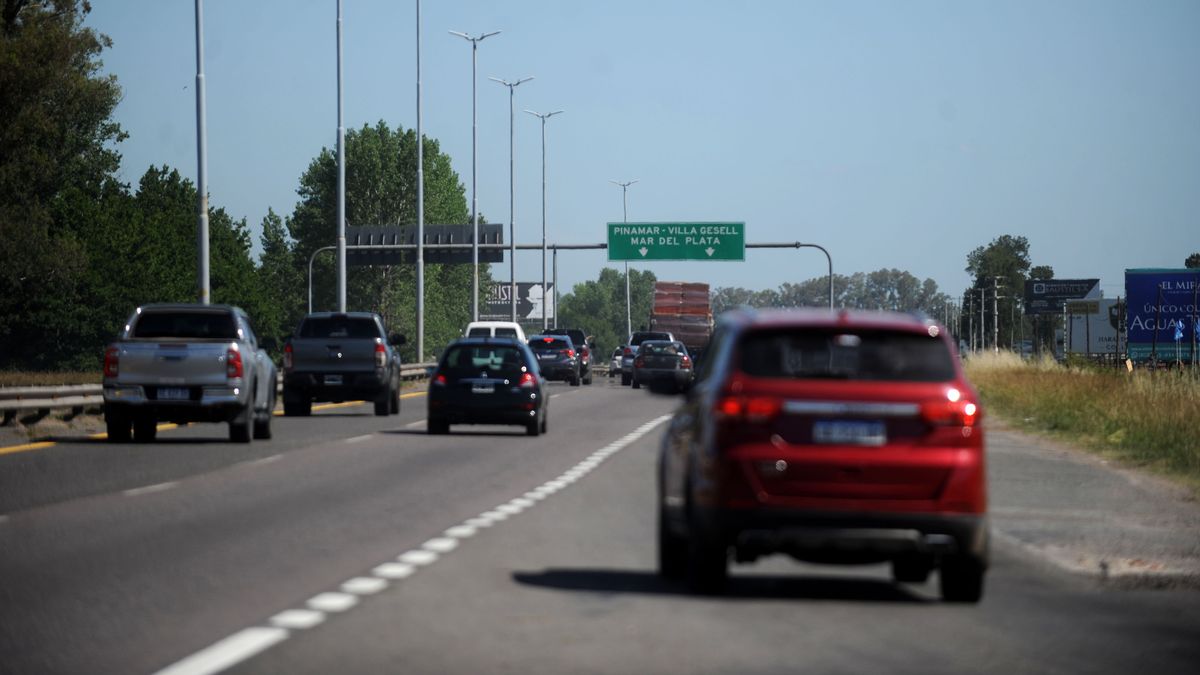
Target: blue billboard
[1162, 313]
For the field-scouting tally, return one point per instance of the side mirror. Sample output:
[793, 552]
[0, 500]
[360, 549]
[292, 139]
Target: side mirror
[397, 339]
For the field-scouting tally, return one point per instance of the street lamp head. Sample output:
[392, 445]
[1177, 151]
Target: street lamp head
[511, 85]
[481, 38]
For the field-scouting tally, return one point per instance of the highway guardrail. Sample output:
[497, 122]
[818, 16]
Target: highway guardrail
[78, 397]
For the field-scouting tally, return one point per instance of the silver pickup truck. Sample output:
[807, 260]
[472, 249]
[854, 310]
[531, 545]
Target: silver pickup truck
[341, 357]
[187, 363]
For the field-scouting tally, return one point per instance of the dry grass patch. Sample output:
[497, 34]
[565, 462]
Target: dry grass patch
[54, 379]
[1144, 419]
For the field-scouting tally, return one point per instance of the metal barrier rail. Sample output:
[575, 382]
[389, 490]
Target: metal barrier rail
[77, 397]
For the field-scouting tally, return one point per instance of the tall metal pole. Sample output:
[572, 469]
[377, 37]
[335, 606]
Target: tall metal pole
[512, 191]
[625, 219]
[202, 163]
[474, 153]
[996, 315]
[420, 207]
[341, 175]
[543, 118]
[556, 288]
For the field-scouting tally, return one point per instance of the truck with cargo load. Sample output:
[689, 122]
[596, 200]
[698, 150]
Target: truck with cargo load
[683, 309]
[187, 363]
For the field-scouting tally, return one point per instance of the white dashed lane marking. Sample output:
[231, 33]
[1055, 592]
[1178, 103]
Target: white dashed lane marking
[158, 487]
[418, 423]
[264, 460]
[251, 641]
[359, 439]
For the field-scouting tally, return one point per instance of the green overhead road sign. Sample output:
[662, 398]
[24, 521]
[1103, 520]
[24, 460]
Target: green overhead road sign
[676, 241]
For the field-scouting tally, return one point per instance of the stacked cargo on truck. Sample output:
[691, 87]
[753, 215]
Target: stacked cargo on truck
[683, 309]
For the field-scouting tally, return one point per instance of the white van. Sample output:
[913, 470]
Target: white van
[495, 329]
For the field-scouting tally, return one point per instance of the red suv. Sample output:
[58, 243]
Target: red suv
[836, 438]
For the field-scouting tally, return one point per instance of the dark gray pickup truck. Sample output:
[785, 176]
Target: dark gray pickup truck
[341, 357]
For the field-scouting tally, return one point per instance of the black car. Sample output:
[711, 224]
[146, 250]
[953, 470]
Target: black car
[635, 340]
[557, 358]
[583, 345]
[487, 381]
[662, 364]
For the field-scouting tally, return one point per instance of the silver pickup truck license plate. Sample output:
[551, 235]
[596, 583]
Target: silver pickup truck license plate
[173, 394]
[850, 432]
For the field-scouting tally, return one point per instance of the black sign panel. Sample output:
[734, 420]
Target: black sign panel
[1046, 296]
[391, 235]
[529, 302]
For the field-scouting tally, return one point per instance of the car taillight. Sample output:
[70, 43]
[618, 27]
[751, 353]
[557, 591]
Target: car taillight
[288, 361]
[639, 362]
[380, 355]
[569, 352]
[628, 352]
[747, 408]
[439, 380]
[685, 362]
[112, 360]
[233, 364]
[961, 413]
[526, 381]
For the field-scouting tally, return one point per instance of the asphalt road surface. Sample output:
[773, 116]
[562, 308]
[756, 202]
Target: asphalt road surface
[357, 544]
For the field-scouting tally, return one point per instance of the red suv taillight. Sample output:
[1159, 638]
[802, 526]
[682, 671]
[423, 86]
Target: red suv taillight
[747, 408]
[685, 362]
[233, 364]
[288, 360]
[628, 351]
[961, 413]
[380, 355]
[439, 380]
[112, 361]
[570, 354]
[526, 381]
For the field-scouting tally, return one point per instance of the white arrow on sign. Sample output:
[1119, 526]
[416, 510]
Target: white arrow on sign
[643, 250]
[710, 250]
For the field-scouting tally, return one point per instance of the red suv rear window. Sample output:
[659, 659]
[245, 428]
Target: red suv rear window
[845, 354]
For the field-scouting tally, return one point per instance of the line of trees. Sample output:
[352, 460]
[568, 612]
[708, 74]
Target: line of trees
[884, 289]
[79, 249]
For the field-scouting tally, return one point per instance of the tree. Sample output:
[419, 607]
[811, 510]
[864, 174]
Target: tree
[283, 287]
[598, 307]
[1193, 261]
[56, 133]
[381, 172]
[1000, 268]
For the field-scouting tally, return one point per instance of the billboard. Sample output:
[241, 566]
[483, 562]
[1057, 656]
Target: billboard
[1162, 313]
[529, 302]
[1096, 330]
[1046, 296]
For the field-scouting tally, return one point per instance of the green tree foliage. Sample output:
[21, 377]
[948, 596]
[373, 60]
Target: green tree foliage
[283, 286]
[381, 170]
[56, 134]
[598, 307]
[887, 289]
[1000, 268]
[1193, 261]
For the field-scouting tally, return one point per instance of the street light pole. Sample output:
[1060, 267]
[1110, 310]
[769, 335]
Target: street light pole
[543, 118]
[201, 164]
[341, 175]
[420, 207]
[625, 219]
[474, 151]
[512, 191]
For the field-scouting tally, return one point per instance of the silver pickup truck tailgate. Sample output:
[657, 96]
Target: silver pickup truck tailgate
[174, 362]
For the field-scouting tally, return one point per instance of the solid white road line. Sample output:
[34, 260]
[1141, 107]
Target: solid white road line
[418, 423]
[251, 641]
[145, 490]
[263, 460]
[359, 439]
[233, 649]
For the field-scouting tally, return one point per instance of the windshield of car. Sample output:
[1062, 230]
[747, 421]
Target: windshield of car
[639, 338]
[846, 354]
[656, 348]
[184, 324]
[548, 344]
[339, 327]
[488, 360]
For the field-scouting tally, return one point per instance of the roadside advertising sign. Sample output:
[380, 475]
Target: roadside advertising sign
[529, 302]
[1162, 302]
[1046, 296]
[1098, 331]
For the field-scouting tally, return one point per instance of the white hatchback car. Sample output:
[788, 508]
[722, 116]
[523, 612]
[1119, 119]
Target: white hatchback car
[495, 329]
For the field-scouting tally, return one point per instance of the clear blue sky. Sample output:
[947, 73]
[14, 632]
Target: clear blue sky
[895, 134]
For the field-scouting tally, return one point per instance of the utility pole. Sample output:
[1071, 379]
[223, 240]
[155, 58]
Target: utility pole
[996, 315]
[982, 318]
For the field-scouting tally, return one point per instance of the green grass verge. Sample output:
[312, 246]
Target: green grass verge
[1142, 419]
[12, 378]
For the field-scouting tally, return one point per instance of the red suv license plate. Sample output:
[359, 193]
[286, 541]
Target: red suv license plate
[849, 432]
